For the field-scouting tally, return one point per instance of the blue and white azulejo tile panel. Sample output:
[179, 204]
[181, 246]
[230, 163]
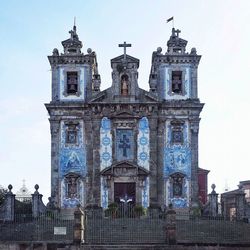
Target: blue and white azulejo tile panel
[145, 193]
[124, 144]
[72, 202]
[143, 143]
[72, 156]
[177, 157]
[105, 143]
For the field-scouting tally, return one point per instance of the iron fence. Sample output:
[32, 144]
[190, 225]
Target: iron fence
[123, 225]
[46, 227]
[211, 230]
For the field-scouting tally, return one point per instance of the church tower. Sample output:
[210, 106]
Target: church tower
[75, 79]
[124, 144]
[173, 79]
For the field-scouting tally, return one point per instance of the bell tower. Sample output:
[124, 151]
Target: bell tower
[74, 75]
[174, 75]
[173, 79]
[75, 80]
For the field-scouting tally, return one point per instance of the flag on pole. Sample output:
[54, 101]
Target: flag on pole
[170, 19]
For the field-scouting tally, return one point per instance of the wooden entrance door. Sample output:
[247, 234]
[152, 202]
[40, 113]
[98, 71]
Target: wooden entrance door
[124, 191]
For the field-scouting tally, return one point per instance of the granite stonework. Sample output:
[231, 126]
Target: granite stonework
[124, 135]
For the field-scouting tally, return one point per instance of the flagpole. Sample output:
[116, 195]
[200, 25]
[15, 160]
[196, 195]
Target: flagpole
[171, 19]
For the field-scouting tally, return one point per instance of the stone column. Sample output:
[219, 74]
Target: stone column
[55, 144]
[96, 178]
[79, 236]
[153, 167]
[194, 126]
[194, 81]
[37, 204]
[240, 204]
[160, 160]
[9, 204]
[55, 82]
[213, 202]
[89, 160]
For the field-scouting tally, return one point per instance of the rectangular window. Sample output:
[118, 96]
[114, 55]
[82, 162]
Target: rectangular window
[177, 82]
[72, 83]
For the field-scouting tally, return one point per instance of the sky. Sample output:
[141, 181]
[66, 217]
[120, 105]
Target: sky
[30, 30]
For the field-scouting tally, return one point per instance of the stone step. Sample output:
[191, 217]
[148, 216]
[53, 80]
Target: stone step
[159, 247]
[128, 247]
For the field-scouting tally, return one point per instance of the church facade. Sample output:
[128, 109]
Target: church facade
[124, 142]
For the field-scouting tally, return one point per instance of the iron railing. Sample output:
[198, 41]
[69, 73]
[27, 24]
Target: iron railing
[46, 227]
[125, 225]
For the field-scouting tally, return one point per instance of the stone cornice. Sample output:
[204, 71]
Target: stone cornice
[176, 58]
[76, 59]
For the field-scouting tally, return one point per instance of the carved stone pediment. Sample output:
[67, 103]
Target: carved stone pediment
[126, 114]
[125, 169]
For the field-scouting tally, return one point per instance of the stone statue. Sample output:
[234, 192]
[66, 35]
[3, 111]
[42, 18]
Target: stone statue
[124, 86]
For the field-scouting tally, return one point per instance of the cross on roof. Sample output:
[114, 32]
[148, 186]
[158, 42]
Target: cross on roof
[125, 45]
[174, 31]
[177, 32]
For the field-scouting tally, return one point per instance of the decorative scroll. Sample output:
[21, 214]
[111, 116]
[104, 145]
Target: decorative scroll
[105, 143]
[143, 144]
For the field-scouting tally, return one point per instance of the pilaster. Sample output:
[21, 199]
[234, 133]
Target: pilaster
[194, 126]
[153, 190]
[161, 124]
[55, 142]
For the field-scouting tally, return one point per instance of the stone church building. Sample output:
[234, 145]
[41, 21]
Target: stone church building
[124, 143]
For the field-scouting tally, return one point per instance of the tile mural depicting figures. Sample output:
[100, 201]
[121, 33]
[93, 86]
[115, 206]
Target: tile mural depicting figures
[72, 164]
[177, 167]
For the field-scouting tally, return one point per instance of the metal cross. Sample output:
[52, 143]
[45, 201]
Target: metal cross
[125, 45]
[124, 145]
